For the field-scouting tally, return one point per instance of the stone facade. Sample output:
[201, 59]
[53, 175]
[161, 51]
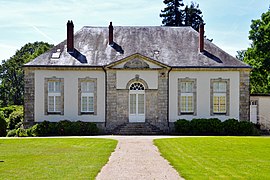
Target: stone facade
[111, 96]
[156, 102]
[29, 97]
[244, 96]
[162, 121]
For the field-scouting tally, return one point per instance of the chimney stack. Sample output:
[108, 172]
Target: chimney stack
[201, 37]
[70, 36]
[110, 34]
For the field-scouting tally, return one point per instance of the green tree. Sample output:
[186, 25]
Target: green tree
[11, 72]
[192, 16]
[240, 55]
[258, 55]
[173, 15]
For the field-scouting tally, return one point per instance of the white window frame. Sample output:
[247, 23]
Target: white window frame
[88, 93]
[54, 96]
[218, 93]
[184, 94]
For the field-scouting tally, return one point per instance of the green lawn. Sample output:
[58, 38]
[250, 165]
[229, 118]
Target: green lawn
[54, 158]
[218, 157]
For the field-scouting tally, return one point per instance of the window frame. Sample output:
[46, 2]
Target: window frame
[192, 93]
[55, 93]
[219, 93]
[89, 94]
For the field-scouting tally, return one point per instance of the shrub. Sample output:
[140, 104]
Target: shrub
[230, 127]
[9, 109]
[20, 132]
[3, 125]
[182, 126]
[11, 133]
[247, 128]
[64, 128]
[206, 126]
[45, 128]
[214, 126]
[15, 119]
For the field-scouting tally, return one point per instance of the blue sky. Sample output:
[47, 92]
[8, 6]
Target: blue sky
[22, 21]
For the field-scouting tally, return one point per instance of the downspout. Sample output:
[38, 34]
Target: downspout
[105, 96]
[168, 98]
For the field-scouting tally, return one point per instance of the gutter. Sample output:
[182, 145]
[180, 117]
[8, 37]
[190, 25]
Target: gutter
[105, 124]
[168, 98]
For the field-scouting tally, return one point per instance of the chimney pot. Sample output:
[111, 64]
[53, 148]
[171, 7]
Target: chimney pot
[110, 34]
[70, 36]
[201, 37]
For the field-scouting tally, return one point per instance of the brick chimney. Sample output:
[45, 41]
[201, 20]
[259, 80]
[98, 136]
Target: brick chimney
[201, 37]
[70, 36]
[110, 34]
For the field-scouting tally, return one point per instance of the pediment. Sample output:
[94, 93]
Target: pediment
[136, 61]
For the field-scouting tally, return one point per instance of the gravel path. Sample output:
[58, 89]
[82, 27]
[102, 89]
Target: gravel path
[135, 157]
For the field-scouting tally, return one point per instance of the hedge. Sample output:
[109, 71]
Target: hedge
[61, 128]
[214, 126]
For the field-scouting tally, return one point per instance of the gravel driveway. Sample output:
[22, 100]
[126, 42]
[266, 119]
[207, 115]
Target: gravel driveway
[136, 157]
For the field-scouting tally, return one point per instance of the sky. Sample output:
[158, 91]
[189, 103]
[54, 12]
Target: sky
[22, 21]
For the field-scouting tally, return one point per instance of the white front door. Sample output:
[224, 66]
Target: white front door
[136, 103]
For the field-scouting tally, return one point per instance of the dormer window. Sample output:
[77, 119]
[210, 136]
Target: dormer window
[57, 54]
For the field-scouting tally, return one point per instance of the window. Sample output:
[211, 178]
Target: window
[187, 96]
[54, 96]
[220, 96]
[87, 96]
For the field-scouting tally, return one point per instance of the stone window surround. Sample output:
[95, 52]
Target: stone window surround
[87, 79]
[46, 81]
[227, 81]
[194, 89]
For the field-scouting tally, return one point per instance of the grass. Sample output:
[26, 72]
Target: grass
[54, 158]
[218, 157]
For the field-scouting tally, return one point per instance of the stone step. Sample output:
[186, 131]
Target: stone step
[137, 129]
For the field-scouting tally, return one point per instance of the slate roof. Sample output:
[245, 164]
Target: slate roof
[176, 47]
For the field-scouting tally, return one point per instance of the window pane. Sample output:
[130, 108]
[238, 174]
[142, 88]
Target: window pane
[215, 87]
[57, 86]
[91, 104]
[51, 103]
[140, 103]
[183, 103]
[222, 87]
[50, 86]
[219, 103]
[190, 104]
[88, 87]
[57, 103]
[219, 86]
[187, 103]
[186, 87]
[84, 103]
[132, 103]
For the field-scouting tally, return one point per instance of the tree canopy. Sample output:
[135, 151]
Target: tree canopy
[176, 14]
[258, 55]
[11, 72]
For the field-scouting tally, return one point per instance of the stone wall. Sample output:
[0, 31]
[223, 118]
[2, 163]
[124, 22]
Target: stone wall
[29, 97]
[111, 95]
[122, 106]
[244, 95]
[162, 95]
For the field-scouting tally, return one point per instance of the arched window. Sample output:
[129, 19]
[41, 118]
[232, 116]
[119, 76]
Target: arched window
[136, 86]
